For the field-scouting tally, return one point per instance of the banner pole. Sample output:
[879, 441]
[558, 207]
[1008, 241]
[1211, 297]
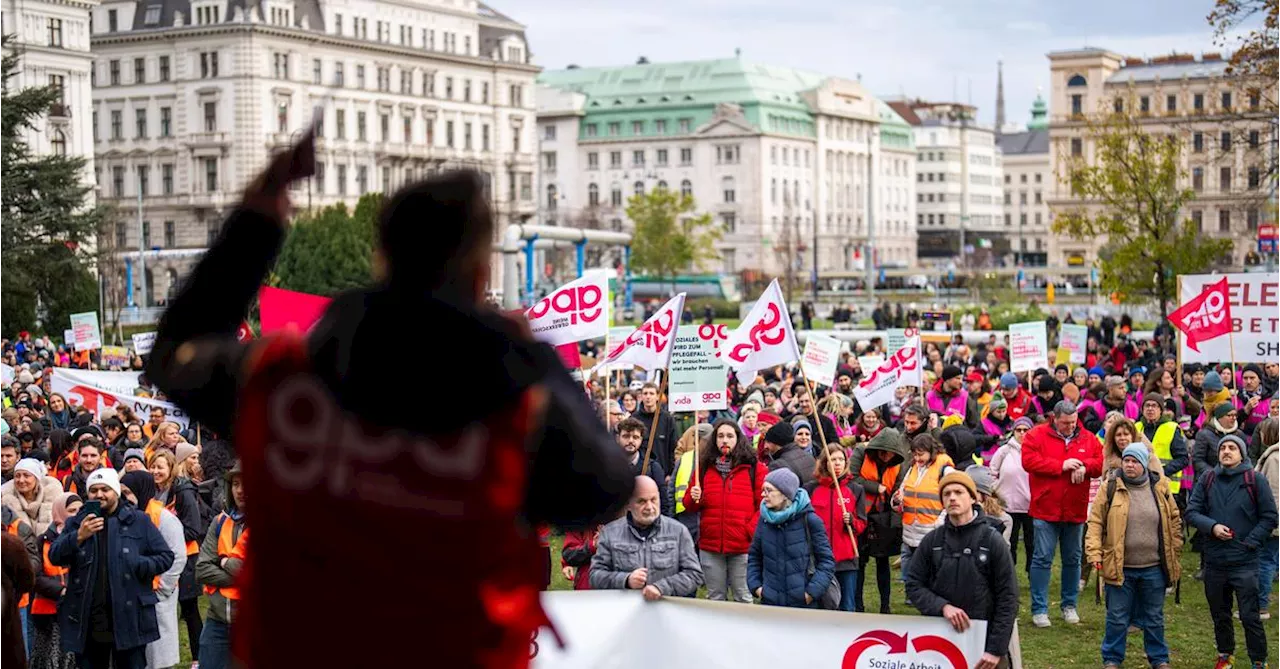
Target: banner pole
[817, 427]
[695, 449]
[1177, 342]
[653, 428]
[608, 415]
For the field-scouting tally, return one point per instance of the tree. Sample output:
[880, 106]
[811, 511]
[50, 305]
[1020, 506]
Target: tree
[1131, 198]
[47, 227]
[331, 250]
[1250, 29]
[668, 236]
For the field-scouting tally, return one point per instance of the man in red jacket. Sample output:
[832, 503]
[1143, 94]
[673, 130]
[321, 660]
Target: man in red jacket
[1060, 458]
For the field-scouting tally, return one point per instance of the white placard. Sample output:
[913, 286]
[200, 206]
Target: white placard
[85, 331]
[820, 358]
[99, 399]
[1028, 346]
[698, 377]
[1255, 314]
[143, 342]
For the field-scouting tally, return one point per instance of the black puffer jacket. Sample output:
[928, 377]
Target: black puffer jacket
[960, 444]
[981, 582]
[797, 459]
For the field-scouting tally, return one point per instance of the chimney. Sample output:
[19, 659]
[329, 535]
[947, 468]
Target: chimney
[642, 61]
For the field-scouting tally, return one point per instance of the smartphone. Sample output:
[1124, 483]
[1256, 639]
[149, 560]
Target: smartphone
[92, 506]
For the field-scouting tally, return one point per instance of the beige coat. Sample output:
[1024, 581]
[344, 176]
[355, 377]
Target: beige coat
[37, 513]
[1104, 534]
[1269, 466]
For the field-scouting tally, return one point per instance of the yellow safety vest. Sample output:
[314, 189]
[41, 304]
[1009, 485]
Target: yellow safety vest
[684, 472]
[1162, 444]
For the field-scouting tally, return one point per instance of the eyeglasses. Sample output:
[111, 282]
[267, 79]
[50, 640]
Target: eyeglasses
[1021, 429]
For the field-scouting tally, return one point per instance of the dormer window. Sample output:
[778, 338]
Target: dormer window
[281, 16]
[207, 14]
[152, 17]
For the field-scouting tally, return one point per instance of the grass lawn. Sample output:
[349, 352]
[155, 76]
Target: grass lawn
[1188, 628]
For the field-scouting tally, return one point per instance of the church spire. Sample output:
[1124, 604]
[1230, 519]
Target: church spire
[999, 97]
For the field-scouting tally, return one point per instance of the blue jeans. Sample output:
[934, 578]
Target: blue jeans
[905, 560]
[1049, 536]
[24, 617]
[848, 587]
[1267, 568]
[215, 645]
[1139, 602]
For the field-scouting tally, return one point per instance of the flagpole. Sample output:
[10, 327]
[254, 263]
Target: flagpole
[822, 434]
[1177, 342]
[695, 449]
[608, 413]
[653, 428]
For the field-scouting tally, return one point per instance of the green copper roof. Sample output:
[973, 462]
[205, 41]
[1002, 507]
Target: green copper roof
[894, 130]
[676, 98]
[1039, 115]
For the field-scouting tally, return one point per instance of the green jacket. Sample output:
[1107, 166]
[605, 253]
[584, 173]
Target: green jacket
[210, 572]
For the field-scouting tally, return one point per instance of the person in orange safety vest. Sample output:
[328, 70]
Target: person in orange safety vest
[518, 445]
[51, 582]
[139, 487]
[221, 556]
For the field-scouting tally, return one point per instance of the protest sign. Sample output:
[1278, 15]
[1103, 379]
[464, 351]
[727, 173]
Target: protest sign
[900, 369]
[115, 356]
[116, 383]
[1253, 299]
[697, 379]
[599, 627]
[870, 362]
[615, 336]
[896, 338]
[280, 308]
[69, 339]
[1073, 339]
[143, 342]
[1028, 346]
[85, 331]
[821, 355]
[99, 399]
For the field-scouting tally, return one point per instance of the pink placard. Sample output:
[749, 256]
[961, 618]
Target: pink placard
[279, 308]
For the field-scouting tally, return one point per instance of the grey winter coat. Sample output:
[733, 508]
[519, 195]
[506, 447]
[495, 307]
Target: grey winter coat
[667, 553]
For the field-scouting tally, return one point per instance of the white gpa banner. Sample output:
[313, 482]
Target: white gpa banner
[649, 346]
[600, 629]
[1028, 346]
[116, 383]
[573, 312]
[765, 338]
[99, 399]
[819, 360]
[1255, 316]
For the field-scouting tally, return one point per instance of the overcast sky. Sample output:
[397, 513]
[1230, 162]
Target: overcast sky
[934, 49]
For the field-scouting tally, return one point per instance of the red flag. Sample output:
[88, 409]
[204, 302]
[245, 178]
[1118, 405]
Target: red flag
[1206, 316]
[279, 308]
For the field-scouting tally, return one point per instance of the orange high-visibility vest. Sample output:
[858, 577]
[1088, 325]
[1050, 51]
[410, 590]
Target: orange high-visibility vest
[193, 548]
[887, 479]
[12, 528]
[43, 605]
[227, 548]
[153, 511]
[922, 499]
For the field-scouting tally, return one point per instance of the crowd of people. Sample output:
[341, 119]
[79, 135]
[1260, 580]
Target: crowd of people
[1109, 466]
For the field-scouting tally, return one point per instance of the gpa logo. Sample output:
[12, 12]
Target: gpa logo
[582, 303]
[882, 649]
[714, 334]
[653, 335]
[760, 335]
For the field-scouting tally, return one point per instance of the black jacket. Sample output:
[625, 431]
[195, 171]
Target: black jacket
[797, 459]
[987, 593]
[664, 436]
[960, 444]
[577, 473]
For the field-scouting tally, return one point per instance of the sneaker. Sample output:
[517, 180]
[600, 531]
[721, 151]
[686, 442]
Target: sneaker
[1041, 620]
[1225, 661]
[1070, 616]
[1265, 615]
[1199, 575]
[1164, 665]
[1084, 583]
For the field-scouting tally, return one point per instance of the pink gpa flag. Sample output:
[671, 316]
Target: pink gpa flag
[279, 308]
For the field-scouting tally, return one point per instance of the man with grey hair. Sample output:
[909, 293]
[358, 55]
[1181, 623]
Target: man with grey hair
[1117, 398]
[646, 551]
[1060, 458]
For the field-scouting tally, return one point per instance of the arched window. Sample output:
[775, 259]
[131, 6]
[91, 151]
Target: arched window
[686, 188]
[593, 195]
[1077, 80]
[639, 188]
[552, 196]
[615, 195]
[662, 185]
[59, 143]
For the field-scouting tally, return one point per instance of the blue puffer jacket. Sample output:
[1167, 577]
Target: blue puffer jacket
[778, 562]
[136, 553]
[1229, 503]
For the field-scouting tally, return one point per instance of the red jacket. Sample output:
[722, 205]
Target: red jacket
[823, 498]
[579, 547]
[1020, 405]
[730, 509]
[1054, 498]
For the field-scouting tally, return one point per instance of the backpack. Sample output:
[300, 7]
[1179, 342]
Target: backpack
[983, 552]
[1250, 484]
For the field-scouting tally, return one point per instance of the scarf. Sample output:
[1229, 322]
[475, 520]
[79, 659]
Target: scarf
[1222, 430]
[724, 466]
[798, 505]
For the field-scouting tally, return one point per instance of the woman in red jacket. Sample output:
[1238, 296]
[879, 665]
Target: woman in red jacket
[727, 495]
[844, 523]
[575, 557]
